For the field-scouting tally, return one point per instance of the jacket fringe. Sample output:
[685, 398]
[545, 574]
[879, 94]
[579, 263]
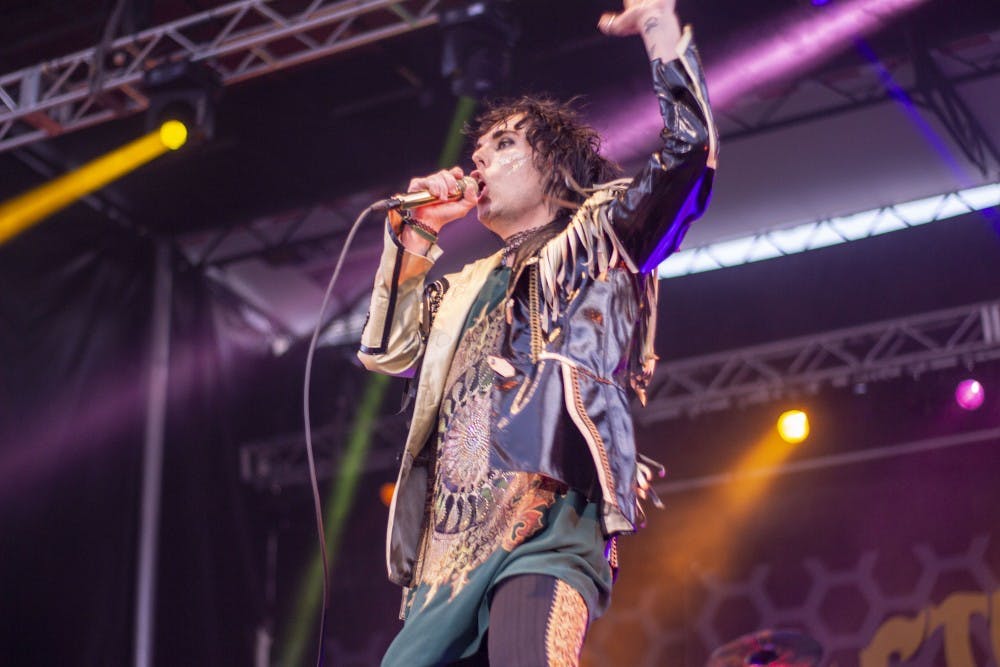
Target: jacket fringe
[590, 235]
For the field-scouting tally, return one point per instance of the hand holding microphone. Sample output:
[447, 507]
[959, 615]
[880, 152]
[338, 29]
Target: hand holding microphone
[426, 197]
[444, 196]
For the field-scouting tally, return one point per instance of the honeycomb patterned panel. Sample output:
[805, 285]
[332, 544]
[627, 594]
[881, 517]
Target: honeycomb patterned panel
[950, 604]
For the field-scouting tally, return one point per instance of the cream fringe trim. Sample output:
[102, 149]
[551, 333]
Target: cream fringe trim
[591, 235]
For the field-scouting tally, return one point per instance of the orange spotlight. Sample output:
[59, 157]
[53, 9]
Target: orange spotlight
[385, 493]
[793, 426]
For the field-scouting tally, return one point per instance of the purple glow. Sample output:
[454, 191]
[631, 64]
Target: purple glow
[800, 46]
[969, 394]
[804, 40]
[80, 427]
[693, 208]
[934, 138]
[897, 93]
[631, 129]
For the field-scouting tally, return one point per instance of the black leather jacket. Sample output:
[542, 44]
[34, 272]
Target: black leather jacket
[581, 314]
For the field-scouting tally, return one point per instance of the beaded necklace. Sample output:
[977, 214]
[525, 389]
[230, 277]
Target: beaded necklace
[515, 241]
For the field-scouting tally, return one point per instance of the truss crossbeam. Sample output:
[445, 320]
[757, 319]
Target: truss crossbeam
[282, 462]
[871, 352]
[821, 96]
[240, 40]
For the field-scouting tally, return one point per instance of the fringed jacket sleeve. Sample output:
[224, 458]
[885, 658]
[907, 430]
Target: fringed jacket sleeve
[652, 216]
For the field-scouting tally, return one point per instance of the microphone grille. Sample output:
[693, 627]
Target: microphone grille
[469, 183]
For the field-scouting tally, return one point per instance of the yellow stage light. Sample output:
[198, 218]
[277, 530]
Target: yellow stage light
[793, 426]
[173, 134]
[21, 212]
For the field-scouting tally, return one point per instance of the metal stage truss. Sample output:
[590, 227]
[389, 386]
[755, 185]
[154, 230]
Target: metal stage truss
[240, 41]
[924, 75]
[883, 350]
[281, 462]
[879, 351]
[249, 38]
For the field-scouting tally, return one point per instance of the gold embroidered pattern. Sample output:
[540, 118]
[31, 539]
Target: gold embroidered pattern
[579, 413]
[433, 294]
[475, 510]
[612, 551]
[533, 314]
[566, 627]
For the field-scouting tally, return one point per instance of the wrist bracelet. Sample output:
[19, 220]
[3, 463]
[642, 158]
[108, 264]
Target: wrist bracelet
[424, 230]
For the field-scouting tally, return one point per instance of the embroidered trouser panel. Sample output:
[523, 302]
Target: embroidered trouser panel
[535, 621]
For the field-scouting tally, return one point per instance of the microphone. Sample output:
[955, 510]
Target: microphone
[423, 198]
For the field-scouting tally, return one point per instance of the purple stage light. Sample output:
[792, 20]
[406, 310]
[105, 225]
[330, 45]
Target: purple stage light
[899, 94]
[774, 53]
[969, 394]
[795, 48]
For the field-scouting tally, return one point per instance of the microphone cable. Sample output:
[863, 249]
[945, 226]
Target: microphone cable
[317, 503]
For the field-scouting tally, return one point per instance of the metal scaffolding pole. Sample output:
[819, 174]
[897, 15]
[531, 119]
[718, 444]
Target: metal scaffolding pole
[152, 465]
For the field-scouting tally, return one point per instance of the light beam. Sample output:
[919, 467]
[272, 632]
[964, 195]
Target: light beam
[21, 212]
[795, 44]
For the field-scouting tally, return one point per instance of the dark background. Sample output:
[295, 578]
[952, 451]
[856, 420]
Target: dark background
[75, 295]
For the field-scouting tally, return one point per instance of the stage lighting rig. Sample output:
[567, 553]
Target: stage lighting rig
[478, 40]
[183, 91]
[793, 426]
[969, 394]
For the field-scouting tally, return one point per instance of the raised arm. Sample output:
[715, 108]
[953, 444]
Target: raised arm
[652, 216]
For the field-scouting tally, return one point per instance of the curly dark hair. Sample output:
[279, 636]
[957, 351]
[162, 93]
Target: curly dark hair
[567, 151]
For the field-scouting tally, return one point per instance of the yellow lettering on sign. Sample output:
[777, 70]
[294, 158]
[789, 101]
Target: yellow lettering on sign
[954, 615]
[901, 636]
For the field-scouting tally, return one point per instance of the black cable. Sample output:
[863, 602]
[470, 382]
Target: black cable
[317, 503]
[100, 53]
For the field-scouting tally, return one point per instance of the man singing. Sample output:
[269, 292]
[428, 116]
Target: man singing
[520, 468]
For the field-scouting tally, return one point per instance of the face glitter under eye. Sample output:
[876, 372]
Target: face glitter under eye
[513, 162]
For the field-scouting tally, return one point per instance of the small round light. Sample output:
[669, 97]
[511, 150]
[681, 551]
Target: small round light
[969, 394]
[173, 134]
[385, 493]
[793, 426]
